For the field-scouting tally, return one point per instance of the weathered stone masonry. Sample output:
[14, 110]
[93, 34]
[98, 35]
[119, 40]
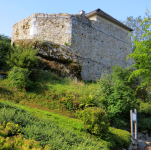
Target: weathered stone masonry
[101, 41]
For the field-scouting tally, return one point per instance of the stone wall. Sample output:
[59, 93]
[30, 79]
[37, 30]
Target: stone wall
[101, 44]
[54, 27]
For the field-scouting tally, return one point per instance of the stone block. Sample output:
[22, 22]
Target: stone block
[134, 147]
[130, 147]
[140, 136]
[134, 141]
[141, 144]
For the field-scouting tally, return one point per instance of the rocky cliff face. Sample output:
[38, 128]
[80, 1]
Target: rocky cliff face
[57, 58]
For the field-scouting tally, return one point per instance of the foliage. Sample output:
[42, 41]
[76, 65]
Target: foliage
[68, 102]
[116, 94]
[13, 129]
[142, 55]
[119, 123]
[87, 101]
[5, 47]
[67, 44]
[47, 132]
[135, 24]
[118, 138]
[145, 108]
[105, 89]
[17, 142]
[18, 77]
[118, 73]
[144, 123]
[22, 56]
[121, 101]
[95, 120]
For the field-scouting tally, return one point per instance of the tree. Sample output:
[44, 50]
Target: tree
[5, 47]
[135, 24]
[142, 54]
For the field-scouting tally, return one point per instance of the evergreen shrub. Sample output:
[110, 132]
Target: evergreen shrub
[18, 77]
[13, 129]
[95, 120]
[22, 56]
[118, 138]
[45, 131]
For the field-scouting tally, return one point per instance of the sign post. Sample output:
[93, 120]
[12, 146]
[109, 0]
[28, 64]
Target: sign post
[133, 118]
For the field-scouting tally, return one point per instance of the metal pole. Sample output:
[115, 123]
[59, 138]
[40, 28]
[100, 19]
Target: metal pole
[131, 122]
[135, 124]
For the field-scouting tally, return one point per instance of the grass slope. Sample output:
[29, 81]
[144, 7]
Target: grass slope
[49, 100]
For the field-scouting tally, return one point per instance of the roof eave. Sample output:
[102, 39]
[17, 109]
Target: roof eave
[97, 13]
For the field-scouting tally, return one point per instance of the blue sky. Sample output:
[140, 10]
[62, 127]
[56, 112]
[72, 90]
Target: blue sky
[11, 11]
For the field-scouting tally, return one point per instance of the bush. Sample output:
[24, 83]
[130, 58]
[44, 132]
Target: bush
[121, 101]
[87, 101]
[116, 94]
[45, 131]
[144, 123]
[95, 120]
[22, 56]
[118, 138]
[118, 73]
[105, 89]
[12, 129]
[145, 108]
[120, 124]
[5, 47]
[19, 78]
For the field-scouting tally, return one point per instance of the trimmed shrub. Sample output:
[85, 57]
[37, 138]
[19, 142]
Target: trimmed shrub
[19, 78]
[118, 138]
[95, 120]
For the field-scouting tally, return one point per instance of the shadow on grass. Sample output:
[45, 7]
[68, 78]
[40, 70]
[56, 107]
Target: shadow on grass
[41, 79]
[5, 91]
[90, 82]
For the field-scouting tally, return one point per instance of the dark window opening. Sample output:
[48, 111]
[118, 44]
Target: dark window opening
[102, 41]
[88, 62]
[82, 33]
